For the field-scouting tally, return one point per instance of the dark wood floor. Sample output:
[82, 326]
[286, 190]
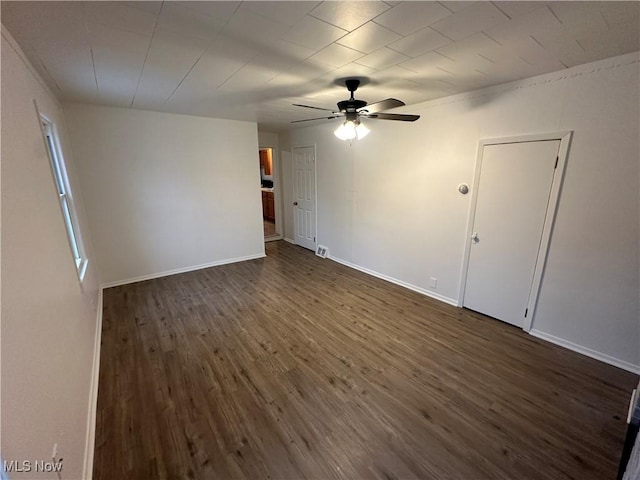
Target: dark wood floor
[294, 367]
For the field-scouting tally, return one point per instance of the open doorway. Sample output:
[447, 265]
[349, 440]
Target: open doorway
[271, 216]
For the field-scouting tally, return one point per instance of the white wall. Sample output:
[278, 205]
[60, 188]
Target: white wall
[48, 320]
[268, 139]
[166, 192]
[390, 204]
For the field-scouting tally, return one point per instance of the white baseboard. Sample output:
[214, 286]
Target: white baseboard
[87, 468]
[415, 288]
[272, 238]
[603, 357]
[289, 240]
[142, 278]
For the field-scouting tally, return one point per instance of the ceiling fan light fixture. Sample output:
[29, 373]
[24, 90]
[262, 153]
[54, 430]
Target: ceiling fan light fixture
[346, 130]
[350, 129]
[362, 131]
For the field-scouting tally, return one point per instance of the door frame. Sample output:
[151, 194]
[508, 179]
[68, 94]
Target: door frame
[277, 192]
[552, 207]
[315, 189]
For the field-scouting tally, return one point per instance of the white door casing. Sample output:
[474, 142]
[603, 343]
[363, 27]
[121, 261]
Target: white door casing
[304, 205]
[515, 195]
[277, 192]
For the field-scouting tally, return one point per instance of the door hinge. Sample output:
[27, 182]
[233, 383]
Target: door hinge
[556, 166]
[525, 312]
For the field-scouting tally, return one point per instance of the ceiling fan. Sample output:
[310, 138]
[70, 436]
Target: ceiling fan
[353, 110]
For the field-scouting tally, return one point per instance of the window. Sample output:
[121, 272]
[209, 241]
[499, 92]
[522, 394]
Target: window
[64, 194]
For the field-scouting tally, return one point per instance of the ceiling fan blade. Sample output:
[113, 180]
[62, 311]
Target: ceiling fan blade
[393, 116]
[319, 118]
[309, 106]
[387, 104]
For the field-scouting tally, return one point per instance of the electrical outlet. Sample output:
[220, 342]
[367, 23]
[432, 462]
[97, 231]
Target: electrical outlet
[433, 283]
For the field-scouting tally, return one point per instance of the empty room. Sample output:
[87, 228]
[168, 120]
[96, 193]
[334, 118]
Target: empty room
[320, 240]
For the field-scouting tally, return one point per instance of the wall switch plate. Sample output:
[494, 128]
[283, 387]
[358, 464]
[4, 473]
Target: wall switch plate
[433, 283]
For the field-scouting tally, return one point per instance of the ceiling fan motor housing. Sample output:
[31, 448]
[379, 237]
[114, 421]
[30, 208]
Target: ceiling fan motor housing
[352, 84]
[351, 105]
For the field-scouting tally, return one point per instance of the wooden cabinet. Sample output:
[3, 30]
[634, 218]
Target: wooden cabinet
[266, 161]
[266, 165]
[268, 208]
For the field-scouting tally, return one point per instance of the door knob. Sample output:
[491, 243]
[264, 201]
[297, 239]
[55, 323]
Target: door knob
[474, 237]
[295, 203]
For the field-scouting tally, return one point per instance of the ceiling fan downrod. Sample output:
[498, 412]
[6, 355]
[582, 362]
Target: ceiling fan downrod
[352, 85]
[352, 105]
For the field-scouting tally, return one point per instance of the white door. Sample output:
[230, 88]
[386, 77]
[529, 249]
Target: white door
[304, 204]
[511, 206]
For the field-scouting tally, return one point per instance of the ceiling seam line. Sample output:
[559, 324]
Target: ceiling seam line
[346, 32]
[525, 60]
[443, 34]
[446, 71]
[234, 72]
[502, 11]
[443, 55]
[146, 56]
[491, 38]
[554, 14]
[93, 60]
[238, 69]
[443, 5]
[184, 78]
[486, 58]
[331, 24]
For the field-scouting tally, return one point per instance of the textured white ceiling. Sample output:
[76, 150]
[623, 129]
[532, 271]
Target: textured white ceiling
[253, 60]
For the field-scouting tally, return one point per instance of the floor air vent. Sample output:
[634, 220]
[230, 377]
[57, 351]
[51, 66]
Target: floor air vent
[322, 251]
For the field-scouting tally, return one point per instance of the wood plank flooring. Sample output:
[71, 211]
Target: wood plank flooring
[295, 367]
